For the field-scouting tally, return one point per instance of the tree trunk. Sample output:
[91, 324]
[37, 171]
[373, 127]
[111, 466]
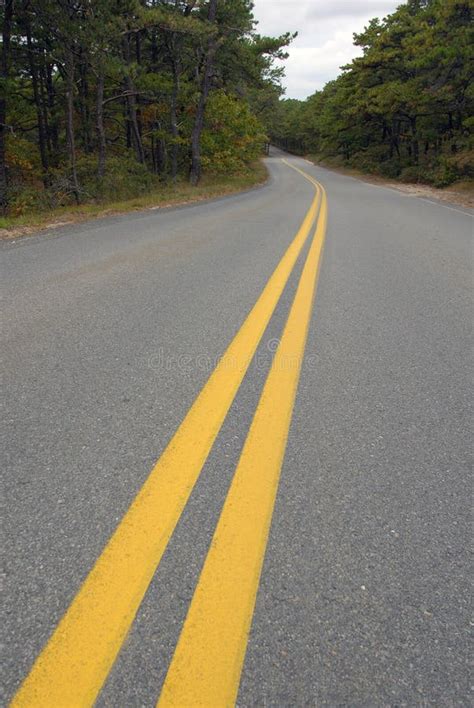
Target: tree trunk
[132, 106]
[7, 23]
[128, 131]
[160, 156]
[86, 128]
[51, 106]
[414, 141]
[44, 107]
[195, 173]
[138, 55]
[450, 123]
[136, 139]
[39, 112]
[174, 121]
[396, 137]
[100, 124]
[153, 160]
[70, 124]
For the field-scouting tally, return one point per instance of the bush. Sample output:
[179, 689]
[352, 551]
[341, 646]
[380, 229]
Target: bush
[442, 175]
[232, 138]
[390, 169]
[463, 163]
[410, 174]
[124, 177]
[25, 198]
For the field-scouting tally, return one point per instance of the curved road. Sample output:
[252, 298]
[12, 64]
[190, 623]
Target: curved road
[112, 332]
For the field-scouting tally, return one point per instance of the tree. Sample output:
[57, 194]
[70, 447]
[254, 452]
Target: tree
[4, 86]
[98, 97]
[403, 108]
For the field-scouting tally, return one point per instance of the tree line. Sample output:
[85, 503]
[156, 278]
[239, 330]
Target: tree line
[100, 97]
[405, 107]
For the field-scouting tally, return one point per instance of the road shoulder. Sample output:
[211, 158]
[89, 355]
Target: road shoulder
[459, 194]
[182, 195]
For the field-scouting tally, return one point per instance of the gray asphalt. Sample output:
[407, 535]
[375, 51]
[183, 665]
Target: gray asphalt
[109, 331]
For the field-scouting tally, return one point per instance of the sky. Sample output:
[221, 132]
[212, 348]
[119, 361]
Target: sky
[324, 41]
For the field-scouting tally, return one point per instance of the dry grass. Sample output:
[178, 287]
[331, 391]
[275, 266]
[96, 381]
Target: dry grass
[168, 195]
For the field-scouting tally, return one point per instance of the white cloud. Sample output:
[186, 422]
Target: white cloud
[324, 42]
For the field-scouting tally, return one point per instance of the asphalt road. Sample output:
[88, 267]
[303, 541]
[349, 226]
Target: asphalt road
[110, 331]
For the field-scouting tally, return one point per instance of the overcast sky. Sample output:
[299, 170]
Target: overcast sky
[324, 41]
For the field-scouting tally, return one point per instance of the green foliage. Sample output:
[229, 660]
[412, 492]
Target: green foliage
[404, 108]
[103, 98]
[124, 177]
[233, 137]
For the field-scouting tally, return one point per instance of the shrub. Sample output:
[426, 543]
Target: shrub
[410, 174]
[390, 168]
[27, 198]
[124, 177]
[442, 175]
[232, 137]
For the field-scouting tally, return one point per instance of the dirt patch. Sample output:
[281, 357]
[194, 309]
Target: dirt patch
[17, 231]
[451, 195]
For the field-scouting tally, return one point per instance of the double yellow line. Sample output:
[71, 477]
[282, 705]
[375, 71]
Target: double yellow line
[207, 663]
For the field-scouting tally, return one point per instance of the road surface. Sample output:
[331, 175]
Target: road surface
[112, 335]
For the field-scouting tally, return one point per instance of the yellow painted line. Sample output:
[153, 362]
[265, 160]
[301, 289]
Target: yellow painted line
[207, 663]
[305, 174]
[75, 662]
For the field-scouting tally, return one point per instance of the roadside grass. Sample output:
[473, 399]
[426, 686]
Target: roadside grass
[180, 193]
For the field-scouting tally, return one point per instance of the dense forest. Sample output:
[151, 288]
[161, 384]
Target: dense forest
[108, 99]
[404, 109]
[103, 99]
